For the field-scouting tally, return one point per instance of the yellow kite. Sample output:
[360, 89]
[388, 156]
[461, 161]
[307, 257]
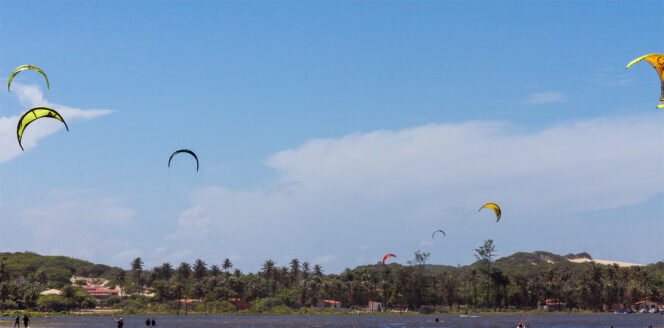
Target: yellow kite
[657, 62]
[31, 68]
[494, 207]
[35, 114]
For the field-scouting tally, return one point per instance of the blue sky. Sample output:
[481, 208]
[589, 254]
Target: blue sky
[354, 128]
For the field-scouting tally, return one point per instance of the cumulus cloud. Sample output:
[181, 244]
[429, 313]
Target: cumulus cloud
[31, 96]
[390, 189]
[549, 97]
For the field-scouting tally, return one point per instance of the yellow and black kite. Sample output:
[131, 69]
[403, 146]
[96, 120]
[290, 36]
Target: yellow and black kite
[494, 207]
[27, 68]
[35, 114]
[657, 62]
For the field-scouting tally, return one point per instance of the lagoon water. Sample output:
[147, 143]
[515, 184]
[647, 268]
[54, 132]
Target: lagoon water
[373, 321]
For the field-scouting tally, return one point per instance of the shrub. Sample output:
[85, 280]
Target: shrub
[112, 300]
[220, 307]
[281, 309]
[329, 310]
[266, 304]
[52, 303]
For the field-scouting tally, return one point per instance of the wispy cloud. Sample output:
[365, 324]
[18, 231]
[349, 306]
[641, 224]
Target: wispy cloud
[31, 96]
[549, 97]
[612, 77]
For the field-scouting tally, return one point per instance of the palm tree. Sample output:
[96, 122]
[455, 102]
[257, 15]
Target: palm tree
[268, 274]
[183, 271]
[305, 269]
[165, 271]
[294, 269]
[214, 270]
[137, 273]
[227, 265]
[181, 278]
[318, 270]
[200, 270]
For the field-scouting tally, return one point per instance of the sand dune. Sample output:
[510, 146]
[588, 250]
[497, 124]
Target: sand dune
[606, 262]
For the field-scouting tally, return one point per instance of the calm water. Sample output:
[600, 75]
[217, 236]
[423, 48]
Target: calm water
[387, 321]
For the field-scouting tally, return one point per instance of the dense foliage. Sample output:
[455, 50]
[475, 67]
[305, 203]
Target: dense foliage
[55, 269]
[520, 281]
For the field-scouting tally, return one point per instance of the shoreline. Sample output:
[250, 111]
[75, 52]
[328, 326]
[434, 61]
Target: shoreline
[108, 313]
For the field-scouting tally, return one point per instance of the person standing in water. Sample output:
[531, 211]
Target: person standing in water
[17, 323]
[154, 323]
[147, 322]
[26, 320]
[119, 321]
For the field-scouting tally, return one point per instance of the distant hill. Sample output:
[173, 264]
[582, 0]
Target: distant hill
[538, 257]
[58, 269]
[513, 261]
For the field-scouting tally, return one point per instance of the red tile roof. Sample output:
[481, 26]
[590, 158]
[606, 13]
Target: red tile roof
[190, 300]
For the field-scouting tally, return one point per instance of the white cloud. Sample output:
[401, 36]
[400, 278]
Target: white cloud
[390, 189]
[75, 222]
[31, 96]
[549, 97]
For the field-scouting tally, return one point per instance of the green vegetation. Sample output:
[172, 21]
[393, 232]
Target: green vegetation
[519, 282]
[56, 270]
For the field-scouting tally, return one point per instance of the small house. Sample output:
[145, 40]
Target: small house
[240, 305]
[324, 304]
[552, 304]
[375, 306]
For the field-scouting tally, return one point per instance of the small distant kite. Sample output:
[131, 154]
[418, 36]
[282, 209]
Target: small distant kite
[34, 114]
[657, 62]
[25, 68]
[184, 151]
[441, 231]
[388, 256]
[494, 207]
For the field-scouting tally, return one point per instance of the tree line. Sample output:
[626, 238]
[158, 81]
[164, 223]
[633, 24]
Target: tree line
[487, 284]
